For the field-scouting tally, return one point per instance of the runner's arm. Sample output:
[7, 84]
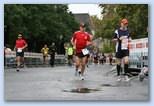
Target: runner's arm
[115, 38]
[73, 40]
[89, 41]
[14, 48]
[25, 46]
[42, 50]
[129, 38]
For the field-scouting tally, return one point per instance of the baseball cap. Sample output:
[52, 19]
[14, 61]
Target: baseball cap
[124, 21]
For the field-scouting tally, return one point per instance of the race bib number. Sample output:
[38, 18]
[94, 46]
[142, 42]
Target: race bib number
[19, 50]
[85, 51]
[124, 44]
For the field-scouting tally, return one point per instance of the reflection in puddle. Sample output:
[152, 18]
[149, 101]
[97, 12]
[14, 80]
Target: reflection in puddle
[81, 90]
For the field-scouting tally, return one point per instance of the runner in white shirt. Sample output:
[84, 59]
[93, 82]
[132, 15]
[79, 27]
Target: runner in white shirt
[122, 38]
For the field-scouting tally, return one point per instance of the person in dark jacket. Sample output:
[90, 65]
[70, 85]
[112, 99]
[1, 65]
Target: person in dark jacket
[52, 51]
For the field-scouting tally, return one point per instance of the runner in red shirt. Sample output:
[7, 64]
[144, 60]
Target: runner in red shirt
[80, 40]
[19, 48]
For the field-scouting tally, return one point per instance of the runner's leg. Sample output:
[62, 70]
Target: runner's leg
[77, 64]
[22, 59]
[126, 64]
[126, 71]
[18, 62]
[83, 64]
[118, 61]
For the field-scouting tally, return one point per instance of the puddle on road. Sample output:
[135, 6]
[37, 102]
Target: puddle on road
[89, 90]
[107, 85]
[81, 90]
[117, 85]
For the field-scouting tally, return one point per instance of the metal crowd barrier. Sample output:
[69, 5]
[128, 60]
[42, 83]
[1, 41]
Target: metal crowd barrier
[138, 59]
[32, 60]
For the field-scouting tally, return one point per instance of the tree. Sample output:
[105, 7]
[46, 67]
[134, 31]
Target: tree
[137, 15]
[40, 23]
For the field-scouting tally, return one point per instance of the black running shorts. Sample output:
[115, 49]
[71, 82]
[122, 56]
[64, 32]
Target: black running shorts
[70, 56]
[122, 53]
[21, 54]
[81, 55]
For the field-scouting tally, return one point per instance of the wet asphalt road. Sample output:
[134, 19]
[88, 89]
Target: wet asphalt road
[60, 83]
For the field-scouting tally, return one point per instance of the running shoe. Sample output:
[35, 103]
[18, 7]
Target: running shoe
[119, 78]
[126, 78]
[21, 65]
[87, 65]
[81, 77]
[17, 69]
[141, 77]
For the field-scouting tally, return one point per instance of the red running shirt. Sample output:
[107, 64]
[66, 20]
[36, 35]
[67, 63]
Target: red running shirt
[80, 39]
[20, 43]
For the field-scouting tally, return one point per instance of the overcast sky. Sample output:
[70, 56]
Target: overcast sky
[92, 9]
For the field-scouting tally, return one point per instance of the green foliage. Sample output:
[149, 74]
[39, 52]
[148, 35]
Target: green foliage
[39, 24]
[137, 15]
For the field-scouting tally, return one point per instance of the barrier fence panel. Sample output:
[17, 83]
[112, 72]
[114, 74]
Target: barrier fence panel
[32, 59]
[139, 53]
